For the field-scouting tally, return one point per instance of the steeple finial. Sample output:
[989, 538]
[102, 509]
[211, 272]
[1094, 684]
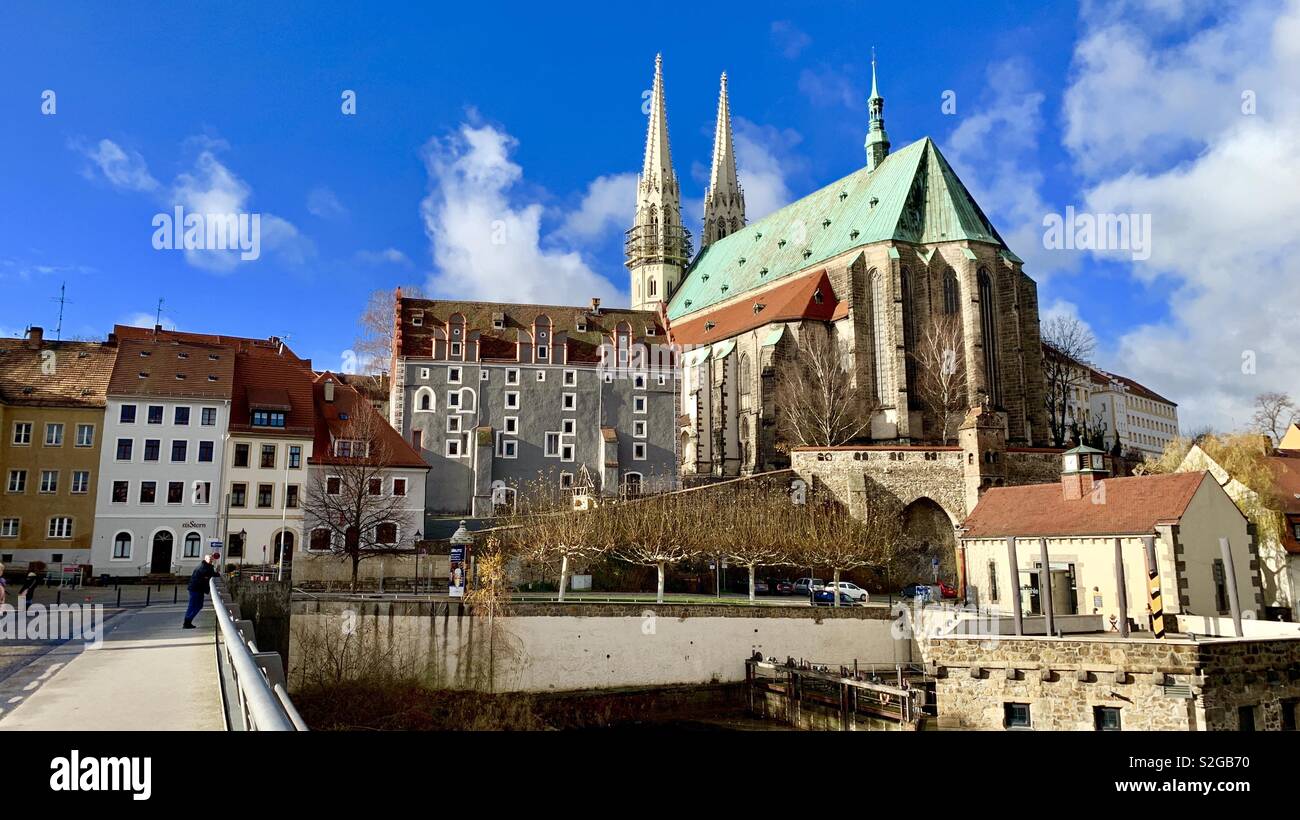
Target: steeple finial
[724, 202]
[874, 93]
[877, 144]
[658, 166]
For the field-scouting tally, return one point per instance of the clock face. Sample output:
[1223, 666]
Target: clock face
[1072, 463]
[1097, 462]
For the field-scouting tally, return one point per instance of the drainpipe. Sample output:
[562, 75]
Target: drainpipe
[1231, 574]
[1122, 590]
[1045, 587]
[1015, 583]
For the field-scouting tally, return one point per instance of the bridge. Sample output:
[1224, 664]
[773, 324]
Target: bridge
[137, 669]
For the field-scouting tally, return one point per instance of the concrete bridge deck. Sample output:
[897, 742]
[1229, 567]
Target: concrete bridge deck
[149, 674]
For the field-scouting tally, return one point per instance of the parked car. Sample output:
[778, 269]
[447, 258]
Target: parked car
[947, 591]
[825, 596]
[853, 591]
[761, 587]
[925, 592]
[780, 586]
[804, 585]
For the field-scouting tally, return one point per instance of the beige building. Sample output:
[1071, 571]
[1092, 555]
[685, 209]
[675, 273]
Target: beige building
[1083, 516]
[52, 398]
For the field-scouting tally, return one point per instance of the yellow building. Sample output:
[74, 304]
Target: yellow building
[52, 398]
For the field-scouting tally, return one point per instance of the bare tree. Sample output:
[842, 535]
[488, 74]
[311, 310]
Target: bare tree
[374, 346]
[818, 402]
[346, 495]
[550, 531]
[752, 527]
[1274, 414]
[942, 382]
[656, 531]
[829, 536]
[1068, 345]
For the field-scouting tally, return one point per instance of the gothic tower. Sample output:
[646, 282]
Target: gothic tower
[724, 202]
[658, 247]
[877, 144]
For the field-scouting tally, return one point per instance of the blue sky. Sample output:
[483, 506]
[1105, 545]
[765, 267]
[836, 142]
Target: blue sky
[529, 118]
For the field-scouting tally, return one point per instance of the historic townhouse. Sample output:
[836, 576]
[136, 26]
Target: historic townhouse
[160, 468]
[52, 397]
[271, 434]
[496, 395]
[872, 259]
[1144, 420]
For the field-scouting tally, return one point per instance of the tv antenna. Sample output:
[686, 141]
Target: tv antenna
[62, 299]
[157, 322]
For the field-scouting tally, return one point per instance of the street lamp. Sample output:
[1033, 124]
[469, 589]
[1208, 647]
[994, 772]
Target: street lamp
[416, 545]
[243, 545]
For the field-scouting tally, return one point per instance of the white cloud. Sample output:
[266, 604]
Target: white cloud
[123, 170]
[322, 202]
[143, 319]
[485, 246]
[1223, 244]
[387, 256]
[789, 40]
[765, 160]
[608, 205]
[826, 86]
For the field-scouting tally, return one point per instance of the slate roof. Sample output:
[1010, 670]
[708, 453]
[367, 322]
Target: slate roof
[1134, 506]
[914, 196]
[173, 369]
[79, 376]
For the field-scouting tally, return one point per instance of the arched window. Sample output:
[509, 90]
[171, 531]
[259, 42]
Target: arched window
[909, 333]
[424, 399]
[989, 335]
[949, 292]
[193, 545]
[745, 449]
[284, 539]
[879, 325]
[653, 288]
[122, 545]
[745, 374]
[632, 485]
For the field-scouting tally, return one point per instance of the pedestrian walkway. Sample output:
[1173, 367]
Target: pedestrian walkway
[149, 674]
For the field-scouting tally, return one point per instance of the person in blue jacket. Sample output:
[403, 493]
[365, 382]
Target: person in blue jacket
[199, 583]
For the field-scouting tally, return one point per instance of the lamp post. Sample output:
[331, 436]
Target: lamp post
[416, 545]
[243, 550]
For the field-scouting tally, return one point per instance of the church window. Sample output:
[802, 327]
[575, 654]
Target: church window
[989, 334]
[949, 292]
[878, 333]
[652, 287]
[909, 331]
[745, 375]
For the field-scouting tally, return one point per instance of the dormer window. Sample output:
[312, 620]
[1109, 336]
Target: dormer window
[268, 418]
[817, 296]
[144, 354]
[351, 448]
[582, 326]
[709, 326]
[182, 355]
[417, 319]
[212, 357]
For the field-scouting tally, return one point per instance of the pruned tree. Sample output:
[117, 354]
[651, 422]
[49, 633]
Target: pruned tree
[655, 531]
[346, 499]
[1275, 412]
[829, 536]
[374, 345]
[551, 532]
[1068, 345]
[818, 401]
[752, 527]
[942, 382]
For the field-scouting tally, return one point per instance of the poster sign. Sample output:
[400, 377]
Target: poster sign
[456, 573]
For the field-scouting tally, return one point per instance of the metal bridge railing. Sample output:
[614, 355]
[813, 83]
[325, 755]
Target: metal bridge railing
[253, 685]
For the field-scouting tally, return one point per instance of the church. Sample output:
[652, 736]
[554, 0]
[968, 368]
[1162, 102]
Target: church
[876, 261]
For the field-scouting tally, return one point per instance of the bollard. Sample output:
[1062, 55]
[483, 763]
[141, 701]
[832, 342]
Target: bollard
[58, 596]
[175, 593]
[148, 591]
[119, 597]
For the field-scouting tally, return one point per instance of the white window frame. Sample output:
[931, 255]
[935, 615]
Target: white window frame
[543, 352]
[26, 439]
[9, 481]
[512, 375]
[568, 427]
[570, 378]
[49, 478]
[87, 427]
[638, 451]
[424, 374]
[639, 428]
[510, 425]
[483, 374]
[454, 374]
[433, 400]
[451, 448]
[457, 348]
[571, 447]
[507, 447]
[546, 444]
[638, 404]
[5, 526]
[55, 427]
[453, 424]
[327, 485]
[512, 399]
[569, 402]
[566, 480]
[453, 403]
[541, 375]
[404, 484]
[50, 531]
[638, 381]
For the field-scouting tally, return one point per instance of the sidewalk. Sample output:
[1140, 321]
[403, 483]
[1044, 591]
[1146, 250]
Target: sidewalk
[149, 674]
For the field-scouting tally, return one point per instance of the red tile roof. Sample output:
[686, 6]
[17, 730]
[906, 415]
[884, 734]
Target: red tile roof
[1133, 505]
[164, 368]
[786, 301]
[76, 376]
[272, 343]
[332, 420]
[266, 380]
[1285, 465]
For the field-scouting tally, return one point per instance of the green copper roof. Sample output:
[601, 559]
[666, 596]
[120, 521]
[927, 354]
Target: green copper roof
[914, 197]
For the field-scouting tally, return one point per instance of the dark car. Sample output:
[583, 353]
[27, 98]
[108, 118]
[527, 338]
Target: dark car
[925, 592]
[780, 586]
[761, 587]
[825, 597]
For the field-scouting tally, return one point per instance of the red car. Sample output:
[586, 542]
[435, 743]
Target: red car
[947, 591]
[780, 586]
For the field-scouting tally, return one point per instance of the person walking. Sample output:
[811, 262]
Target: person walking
[2, 583]
[199, 584]
[33, 580]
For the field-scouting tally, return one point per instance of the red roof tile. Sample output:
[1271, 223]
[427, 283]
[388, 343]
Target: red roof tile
[1133, 505]
[266, 380]
[332, 419]
[272, 344]
[159, 367]
[789, 300]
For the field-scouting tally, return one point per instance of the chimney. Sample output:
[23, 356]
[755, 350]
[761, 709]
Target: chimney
[1082, 469]
[595, 305]
[329, 390]
[35, 335]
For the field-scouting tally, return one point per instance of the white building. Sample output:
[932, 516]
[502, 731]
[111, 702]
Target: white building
[1145, 420]
[156, 504]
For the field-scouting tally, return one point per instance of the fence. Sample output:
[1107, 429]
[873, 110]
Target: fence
[252, 683]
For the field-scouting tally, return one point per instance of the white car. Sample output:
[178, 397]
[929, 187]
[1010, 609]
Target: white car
[851, 590]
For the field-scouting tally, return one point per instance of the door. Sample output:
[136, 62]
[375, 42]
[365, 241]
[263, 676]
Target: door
[162, 553]
[284, 539]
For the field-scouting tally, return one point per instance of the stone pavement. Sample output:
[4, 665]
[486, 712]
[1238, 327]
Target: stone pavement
[149, 674]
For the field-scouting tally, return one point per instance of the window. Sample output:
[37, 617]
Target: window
[235, 542]
[639, 428]
[541, 353]
[202, 492]
[241, 455]
[1105, 718]
[320, 540]
[124, 449]
[295, 456]
[570, 401]
[570, 378]
[155, 414]
[566, 452]
[22, 433]
[509, 448]
[268, 456]
[208, 417]
[511, 425]
[120, 491]
[512, 375]
[49, 481]
[1220, 586]
[638, 404]
[455, 348]
[333, 485]
[453, 448]
[151, 449]
[148, 492]
[60, 527]
[541, 375]
[453, 399]
[17, 481]
[1289, 714]
[424, 399]
[399, 486]
[53, 435]
[291, 497]
[127, 414]
[268, 418]
[483, 375]
[552, 444]
[122, 545]
[417, 439]
[1015, 716]
[1246, 718]
[453, 424]
[453, 375]
[989, 331]
[386, 533]
[566, 480]
[949, 292]
[9, 527]
[179, 451]
[638, 383]
[417, 319]
[175, 492]
[265, 496]
[880, 320]
[350, 448]
[193, 545]
[205, 451]
[512, 399]
[239, 495]
[181, 417]
[993, 581]
[375, 486]
[80, 482]
[567, 426]
[638, 451]
[85, 435]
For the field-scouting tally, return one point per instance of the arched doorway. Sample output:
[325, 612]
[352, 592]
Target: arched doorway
[285, 538]
[927, 536]
[352, 539]
[161, 555]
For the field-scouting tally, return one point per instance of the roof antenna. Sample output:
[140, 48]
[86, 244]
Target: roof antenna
[282, 340]
[62, 299]
[157, 323]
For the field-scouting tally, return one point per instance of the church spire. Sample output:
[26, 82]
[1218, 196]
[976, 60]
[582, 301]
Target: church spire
[877, 144]
[724, 202]
[657, 247]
